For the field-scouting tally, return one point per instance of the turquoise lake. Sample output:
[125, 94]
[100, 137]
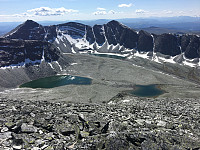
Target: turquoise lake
[110, 56]
[56, 81]
[147, 91]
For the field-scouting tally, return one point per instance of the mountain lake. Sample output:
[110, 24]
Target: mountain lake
[56, 81]
[147, 91]
[109, 56]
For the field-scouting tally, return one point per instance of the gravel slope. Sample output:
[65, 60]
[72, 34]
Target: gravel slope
[124, 123]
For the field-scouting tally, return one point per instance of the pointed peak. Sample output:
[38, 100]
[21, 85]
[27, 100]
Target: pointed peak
[114, 22]
[143, 32]
[23, 31]
[30, 23]
[72, 24]
[119, 24]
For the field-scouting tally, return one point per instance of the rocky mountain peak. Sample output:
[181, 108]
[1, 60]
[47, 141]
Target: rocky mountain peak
[30, 24]
[113, 22]
[73, 37]
[29, 30]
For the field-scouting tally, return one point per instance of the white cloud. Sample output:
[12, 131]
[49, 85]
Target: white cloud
[168, 12]
[46, 11]
[100, 13]
[111, 12]
[140, 11]
[23, 15]
[125, 5]
[43, 11]
[104, 12]
[102, 9]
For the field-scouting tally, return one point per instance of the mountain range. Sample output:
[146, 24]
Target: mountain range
[34, 42]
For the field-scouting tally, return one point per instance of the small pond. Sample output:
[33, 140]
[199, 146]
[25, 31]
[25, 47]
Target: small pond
[109, 56]
[55, 81]
[147, 91]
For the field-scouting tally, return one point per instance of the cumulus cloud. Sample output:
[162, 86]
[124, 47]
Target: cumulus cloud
[111, 12]
[140, 11]
[46, 11]
[102, 9]
[104, 12]
[22, 15]
[100, 13]
[125, 5]
[168, 12]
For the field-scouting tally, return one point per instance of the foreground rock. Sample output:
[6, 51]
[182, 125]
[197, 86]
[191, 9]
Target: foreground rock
[124, 123]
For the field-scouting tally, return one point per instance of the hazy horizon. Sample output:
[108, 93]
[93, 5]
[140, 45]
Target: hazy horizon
[51, 10]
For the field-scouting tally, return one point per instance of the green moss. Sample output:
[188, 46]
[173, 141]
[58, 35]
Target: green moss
[84, 134]
[49, 148]
[9, 124]
[31, 142]
[26, 146]
[49, 138]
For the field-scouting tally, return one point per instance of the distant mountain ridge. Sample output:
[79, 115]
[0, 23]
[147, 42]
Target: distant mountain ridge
[112, 37]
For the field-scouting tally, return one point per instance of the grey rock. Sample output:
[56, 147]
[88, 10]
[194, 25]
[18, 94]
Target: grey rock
[17, 147]
[5, 135]
[4, 129]
[138, 123]
[25, 128]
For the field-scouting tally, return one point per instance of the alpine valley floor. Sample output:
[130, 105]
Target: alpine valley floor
[110, 77]
[100, 115]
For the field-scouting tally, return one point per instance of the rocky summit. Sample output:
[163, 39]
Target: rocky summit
[123, 123]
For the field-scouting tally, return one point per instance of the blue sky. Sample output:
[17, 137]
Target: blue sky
[61, 10]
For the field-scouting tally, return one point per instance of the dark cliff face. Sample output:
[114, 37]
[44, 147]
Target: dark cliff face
[112, 33]
[18, 52]
[167, 44]
[99, 34]
[118, 33]
[192, 49]
[29, 30]
[75, 30]
[145, 42]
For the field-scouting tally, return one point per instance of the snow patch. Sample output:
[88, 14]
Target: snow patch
[189, 62]
[114, 54]
[126, 101]
[59, 65]
[57, 41]
[143, 55]
[72, 64]
[22, 64]
[171, 60]
[72, 77]
[43, 59]
[51, 66]
[73, 51]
